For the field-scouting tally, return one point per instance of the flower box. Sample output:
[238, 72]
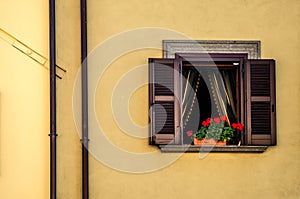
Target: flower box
[215, 132]
[208, 142]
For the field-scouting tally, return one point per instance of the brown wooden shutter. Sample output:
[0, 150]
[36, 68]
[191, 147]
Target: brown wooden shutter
[163, 106]
[260, 106]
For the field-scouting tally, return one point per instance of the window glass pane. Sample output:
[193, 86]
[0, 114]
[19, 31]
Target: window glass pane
[208, 92]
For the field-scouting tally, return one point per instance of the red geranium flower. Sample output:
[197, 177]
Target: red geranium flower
[234, 125]
[205, 123]
[238, 126]
[217, 120]
[223, 118]
[189, 133]
[208, 120]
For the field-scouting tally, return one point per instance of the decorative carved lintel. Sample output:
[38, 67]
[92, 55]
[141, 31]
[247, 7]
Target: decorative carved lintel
[252, 48]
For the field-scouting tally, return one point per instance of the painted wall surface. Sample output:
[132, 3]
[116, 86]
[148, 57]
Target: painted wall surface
[272, 174]
[24, 103]
[24, 167]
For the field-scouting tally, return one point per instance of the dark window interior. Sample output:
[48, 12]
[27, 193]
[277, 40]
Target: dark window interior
[212, 91]
[185, 91]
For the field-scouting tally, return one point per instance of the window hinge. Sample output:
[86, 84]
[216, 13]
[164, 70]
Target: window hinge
[273, 108]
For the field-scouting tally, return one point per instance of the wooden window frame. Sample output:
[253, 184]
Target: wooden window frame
[222, 57]
[243, 61]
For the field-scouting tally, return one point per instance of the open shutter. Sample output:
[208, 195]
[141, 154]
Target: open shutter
[260, 106]
[163, 106]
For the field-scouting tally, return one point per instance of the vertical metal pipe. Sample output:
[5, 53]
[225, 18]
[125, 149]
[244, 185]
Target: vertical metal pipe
[52, 134]
[84, 94]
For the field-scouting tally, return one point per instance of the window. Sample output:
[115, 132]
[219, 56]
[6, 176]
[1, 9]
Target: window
[193, 86]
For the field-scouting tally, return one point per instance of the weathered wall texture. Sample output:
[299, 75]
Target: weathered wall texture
[24, 103]
[272, 174]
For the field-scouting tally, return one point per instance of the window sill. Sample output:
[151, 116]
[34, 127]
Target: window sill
[197, 149]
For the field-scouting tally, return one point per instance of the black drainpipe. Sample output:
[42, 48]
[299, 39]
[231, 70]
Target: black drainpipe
[52, 134]
[84, 95]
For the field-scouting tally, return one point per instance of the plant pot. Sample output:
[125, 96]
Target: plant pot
[221, 143]
[198, 142]
[208, 142]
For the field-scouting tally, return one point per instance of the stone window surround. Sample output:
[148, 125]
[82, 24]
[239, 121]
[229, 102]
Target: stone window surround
[251, 47]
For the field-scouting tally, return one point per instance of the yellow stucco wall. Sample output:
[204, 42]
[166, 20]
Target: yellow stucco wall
[24, 103]
[273, 174]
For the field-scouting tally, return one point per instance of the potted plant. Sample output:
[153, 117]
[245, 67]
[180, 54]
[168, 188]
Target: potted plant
[215, 131]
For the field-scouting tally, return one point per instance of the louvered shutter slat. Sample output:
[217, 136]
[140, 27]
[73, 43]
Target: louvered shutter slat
[261, 115]
[164, 81]
[162, 102]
